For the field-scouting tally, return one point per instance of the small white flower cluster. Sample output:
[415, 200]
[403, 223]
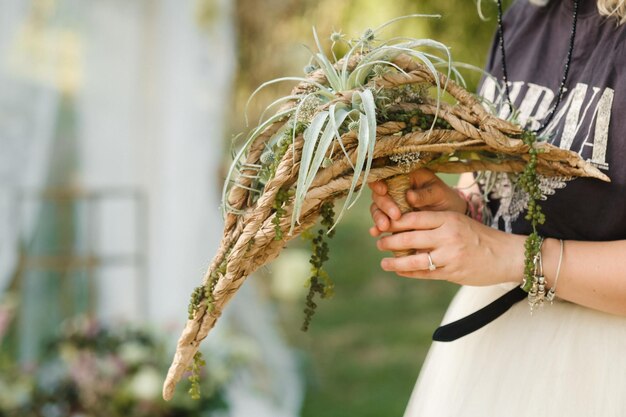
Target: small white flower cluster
[308, 108]
[406, 160]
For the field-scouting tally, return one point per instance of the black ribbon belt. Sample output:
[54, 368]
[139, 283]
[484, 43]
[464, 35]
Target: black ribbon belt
[480, 318]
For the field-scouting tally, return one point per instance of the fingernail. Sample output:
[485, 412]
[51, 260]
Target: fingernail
[384, 264]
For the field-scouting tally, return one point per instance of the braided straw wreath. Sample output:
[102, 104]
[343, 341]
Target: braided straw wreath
[376, 114]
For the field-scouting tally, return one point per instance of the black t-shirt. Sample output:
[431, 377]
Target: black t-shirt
[590, 120]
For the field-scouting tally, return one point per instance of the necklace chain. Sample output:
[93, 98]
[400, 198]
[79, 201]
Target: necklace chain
[568, 60]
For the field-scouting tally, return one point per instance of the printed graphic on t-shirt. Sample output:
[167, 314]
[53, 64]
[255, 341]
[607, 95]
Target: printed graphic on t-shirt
[581, 123]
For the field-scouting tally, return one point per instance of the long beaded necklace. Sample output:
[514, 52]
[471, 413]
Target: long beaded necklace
[534, 281]
[534, 284]
[505, 76]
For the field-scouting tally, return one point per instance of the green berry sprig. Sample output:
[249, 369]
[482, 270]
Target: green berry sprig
[419, 121]
[204, 293]
[529, 182]
[320, 282]
[273, 156]
[279, 212]
[196, 298]
[280, 149]
[194, 377]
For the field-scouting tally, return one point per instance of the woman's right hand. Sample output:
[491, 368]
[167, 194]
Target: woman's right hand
[428, 192]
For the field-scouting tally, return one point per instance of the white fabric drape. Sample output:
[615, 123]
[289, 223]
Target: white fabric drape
[150, 94]
[150, 120]
[152, 114]
[28, 110]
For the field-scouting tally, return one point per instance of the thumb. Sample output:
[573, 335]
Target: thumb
[424, 197]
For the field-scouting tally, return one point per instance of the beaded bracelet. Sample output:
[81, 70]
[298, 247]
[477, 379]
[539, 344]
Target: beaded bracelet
[537, 292]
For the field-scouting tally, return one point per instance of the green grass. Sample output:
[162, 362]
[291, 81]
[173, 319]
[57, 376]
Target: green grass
[365, 346]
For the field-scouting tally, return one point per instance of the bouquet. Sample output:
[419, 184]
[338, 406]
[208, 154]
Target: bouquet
[385, 108]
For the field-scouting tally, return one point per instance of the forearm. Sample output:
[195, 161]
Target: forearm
[593, 274]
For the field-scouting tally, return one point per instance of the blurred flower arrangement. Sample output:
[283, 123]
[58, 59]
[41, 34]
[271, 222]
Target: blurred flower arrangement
[90, 370]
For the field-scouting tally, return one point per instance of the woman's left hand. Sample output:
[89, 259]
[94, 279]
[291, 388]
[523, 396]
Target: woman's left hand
[463, 250]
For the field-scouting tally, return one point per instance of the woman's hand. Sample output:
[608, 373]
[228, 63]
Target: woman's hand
[428, 192]
[463, 250]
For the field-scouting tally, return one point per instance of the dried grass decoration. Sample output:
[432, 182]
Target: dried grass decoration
[375, 114]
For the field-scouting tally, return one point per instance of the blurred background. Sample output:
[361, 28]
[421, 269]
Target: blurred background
[116, 119]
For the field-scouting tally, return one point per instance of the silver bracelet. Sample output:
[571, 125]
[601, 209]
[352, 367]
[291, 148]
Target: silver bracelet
[552, 291]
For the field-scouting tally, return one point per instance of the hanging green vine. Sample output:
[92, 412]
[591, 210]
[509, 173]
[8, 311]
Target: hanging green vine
[529, 182]
[279, 150]
[196, 298]
[194, 377]
[320, 282]
[281, 197]
[204, 293]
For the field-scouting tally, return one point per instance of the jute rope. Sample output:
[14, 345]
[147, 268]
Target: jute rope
[250, 230]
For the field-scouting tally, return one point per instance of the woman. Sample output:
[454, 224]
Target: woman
[569, 357]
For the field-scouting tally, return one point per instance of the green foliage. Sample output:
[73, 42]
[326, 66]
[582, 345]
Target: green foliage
[196, 298]
[325, 118]
[281, 197]
[320, 282]
[194, 375]
[529, 182]
[277, 152]
[418, 121]
[204, 293]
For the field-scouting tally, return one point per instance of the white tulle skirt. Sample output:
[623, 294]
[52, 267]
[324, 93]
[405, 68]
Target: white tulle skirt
[564, 360]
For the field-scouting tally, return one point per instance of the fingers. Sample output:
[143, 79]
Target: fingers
[421, 177]
[419, 220]
[378, 187]
[413, 265]
[381, 220]
[374, 232]
[383, 210]
[428, 190]
[420, 274]
[386, 204]
[416, 239]
[429, 195]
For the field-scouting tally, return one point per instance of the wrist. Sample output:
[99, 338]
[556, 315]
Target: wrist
[550, 256]
[510, 253]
